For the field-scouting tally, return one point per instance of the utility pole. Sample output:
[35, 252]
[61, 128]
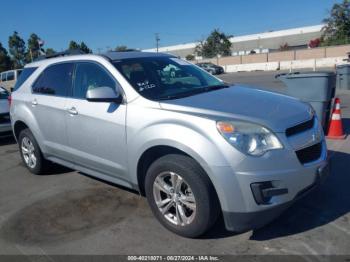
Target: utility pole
[157, 41]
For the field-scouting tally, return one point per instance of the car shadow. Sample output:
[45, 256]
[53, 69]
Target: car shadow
[218, 230]
[130, 190]
[57, 169]
[7, 140]
[322, 206]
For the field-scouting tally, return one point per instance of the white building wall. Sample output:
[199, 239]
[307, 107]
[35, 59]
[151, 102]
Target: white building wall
[261, 43]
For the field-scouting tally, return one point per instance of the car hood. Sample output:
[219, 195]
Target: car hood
[4, 106]
[273, 110]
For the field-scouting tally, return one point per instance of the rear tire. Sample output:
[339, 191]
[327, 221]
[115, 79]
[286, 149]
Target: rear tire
[31, 154]
[181, 195]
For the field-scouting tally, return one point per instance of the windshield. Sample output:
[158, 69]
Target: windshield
[162, 78]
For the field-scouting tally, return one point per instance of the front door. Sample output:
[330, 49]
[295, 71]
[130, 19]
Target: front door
[96, 130]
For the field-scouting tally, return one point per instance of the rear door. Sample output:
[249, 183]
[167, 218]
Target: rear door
[48, 105]
[96, 130]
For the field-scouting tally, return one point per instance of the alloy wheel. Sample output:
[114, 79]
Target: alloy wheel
[28, 152]
[174, 198]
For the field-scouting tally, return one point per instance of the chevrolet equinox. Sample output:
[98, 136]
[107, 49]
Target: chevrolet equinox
[195, 146]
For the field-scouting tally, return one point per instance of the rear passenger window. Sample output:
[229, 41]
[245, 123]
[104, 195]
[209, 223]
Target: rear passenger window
[55, 80]
[27, 72]
[10, 76]
[89, 76]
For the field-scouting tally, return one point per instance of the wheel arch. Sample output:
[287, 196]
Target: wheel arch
[155, 152]
[23, 118]
[148, 157]
[18, 127]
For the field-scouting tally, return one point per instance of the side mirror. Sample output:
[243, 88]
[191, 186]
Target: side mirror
[103, 94]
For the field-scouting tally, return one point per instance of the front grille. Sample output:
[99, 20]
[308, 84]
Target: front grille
[5, 118]
[309, 154]
[300, 128]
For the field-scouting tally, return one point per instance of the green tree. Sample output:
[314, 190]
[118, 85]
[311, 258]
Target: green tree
[34, 48]
[73, 45]
[121, 48]
[17, 50]
[216, 44]
[5, 60]
[337, 26]
[190, 57]
[50, 51]
[83, 47]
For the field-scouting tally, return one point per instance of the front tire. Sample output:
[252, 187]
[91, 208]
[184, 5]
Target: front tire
[181, 195]
[31, 154]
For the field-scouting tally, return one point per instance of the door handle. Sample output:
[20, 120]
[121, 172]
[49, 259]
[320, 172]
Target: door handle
[73, 111]
[34, 102]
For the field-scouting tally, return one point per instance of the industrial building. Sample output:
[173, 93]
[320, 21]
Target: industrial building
[296, 38]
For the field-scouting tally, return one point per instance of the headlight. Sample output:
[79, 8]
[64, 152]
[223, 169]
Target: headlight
[249, 138]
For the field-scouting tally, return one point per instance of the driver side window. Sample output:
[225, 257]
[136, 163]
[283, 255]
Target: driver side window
[89, 76]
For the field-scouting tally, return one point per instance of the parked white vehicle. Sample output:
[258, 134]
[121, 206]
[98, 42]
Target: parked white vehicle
[8, 78]
[5, 123]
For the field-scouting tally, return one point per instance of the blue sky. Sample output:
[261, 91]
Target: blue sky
[103, 23]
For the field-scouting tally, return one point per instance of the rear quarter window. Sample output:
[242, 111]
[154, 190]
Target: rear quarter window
[25, 74]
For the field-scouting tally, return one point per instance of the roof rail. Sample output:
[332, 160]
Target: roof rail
[58, 54]
[125, 50]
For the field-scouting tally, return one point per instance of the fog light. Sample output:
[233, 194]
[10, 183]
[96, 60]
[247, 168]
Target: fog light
[264, 191]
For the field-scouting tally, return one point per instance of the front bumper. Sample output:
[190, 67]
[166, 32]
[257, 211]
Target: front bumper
[281, 168]
[254, 190]
[244, 221]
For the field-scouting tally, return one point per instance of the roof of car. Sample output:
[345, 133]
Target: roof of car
[133, 54]
[112, 56]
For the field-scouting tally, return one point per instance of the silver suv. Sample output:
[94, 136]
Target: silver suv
[193, 145]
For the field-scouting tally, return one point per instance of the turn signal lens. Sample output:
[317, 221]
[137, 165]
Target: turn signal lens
[225, 127]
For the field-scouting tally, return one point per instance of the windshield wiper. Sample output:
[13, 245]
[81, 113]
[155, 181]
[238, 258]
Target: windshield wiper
[177, 96]
[194, 92]
[216, 87]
